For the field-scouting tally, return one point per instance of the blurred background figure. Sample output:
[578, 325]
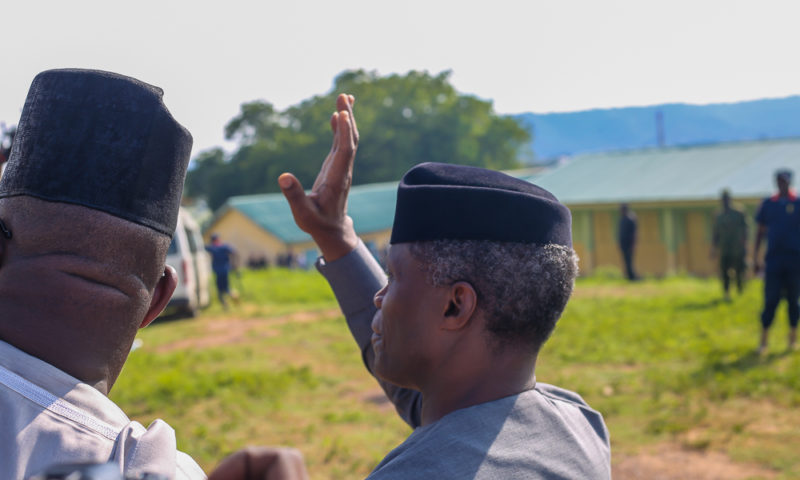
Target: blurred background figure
[626, 235]
[779, 221]
[6, 140]
[729, 244]
[222, 258]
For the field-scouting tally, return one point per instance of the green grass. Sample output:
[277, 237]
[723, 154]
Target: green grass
[663, 360]
[667, 360]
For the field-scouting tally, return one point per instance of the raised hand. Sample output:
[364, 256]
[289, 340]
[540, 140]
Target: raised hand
[323, 212]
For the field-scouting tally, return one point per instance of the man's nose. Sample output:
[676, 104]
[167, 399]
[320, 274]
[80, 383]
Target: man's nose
[378, 298]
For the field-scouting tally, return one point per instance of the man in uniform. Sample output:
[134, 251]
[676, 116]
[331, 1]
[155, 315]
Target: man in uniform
[88, 204]
[729, 244]
[221, 260]
[480, 269]
[778, 220]
[626, 237]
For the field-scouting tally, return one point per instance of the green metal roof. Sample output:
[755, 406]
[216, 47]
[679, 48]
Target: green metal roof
[370, 206]
[672, 174]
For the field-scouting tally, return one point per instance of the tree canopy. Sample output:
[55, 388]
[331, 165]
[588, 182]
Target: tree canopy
[403, 120]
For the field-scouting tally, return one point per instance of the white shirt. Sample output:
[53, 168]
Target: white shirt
[48, 417]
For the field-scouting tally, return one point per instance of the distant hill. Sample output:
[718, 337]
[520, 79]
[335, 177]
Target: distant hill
[557, 134]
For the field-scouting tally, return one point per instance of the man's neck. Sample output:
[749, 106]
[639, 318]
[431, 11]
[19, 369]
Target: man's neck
[495, 378]
[70, 348]
[787, 195]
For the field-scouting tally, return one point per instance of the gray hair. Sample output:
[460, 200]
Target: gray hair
[522, 288]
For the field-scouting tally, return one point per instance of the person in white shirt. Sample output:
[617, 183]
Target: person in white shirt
[88, 204]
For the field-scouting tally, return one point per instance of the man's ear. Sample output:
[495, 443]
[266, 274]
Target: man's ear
[161, 295]
[461, 306]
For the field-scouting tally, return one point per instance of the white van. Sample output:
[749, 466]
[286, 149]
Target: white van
[189, 258]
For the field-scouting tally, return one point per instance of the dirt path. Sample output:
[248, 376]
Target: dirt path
[233, 330]
[671, 462]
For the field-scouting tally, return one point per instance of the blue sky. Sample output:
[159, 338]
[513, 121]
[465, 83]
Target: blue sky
[539, 56]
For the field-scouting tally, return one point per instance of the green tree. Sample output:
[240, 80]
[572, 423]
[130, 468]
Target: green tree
[403, 120]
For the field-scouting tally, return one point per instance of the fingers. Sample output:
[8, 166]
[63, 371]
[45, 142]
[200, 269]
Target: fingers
[323, 170]
[340, 170]
[345, 103]
[302, 207]
[292, 190]
[322, 213]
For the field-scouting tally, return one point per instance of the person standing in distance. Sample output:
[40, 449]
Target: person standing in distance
[729, 244]
[778, 221]
[626, 236]
[222, 256]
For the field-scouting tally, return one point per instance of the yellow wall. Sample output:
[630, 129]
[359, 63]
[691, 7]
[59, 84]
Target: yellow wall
[650, 254]
[672, 238]
[698, 233]
[249, 239]
[606, 251]
[381, 239]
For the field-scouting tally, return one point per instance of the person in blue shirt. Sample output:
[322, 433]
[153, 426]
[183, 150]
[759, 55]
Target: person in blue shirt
[778, 220]
[222, 256]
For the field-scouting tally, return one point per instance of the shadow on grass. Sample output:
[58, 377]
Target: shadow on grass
[730, 362]
[705, 305]
[721, 374]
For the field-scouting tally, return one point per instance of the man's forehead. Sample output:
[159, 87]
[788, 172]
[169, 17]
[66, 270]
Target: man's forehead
[398, 255]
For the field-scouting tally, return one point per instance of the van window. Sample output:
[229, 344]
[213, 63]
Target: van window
[173, 246]
[192, 241]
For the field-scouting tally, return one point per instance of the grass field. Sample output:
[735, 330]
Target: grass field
[672, 368]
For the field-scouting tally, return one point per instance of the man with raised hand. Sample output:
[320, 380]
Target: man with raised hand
[480, 269]
[88, 204]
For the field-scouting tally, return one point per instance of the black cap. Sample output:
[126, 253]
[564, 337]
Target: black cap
[103, 141]
[437, 201]
[784, 173]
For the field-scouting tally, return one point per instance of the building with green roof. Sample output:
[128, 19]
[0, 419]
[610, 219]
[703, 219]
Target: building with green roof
[262, 226]
[673, 191]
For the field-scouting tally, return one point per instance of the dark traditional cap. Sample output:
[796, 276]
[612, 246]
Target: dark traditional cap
[437, 201]
[784, 173]
[103, 141]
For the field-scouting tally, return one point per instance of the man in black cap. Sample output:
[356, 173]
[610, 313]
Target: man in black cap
[88, 204]
[778, 220]
[479, 271]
